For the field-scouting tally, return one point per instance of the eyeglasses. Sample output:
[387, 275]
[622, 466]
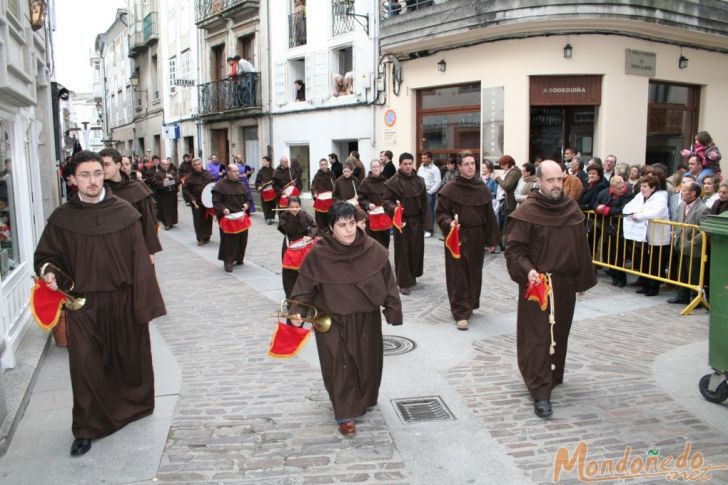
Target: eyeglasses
[95, 174]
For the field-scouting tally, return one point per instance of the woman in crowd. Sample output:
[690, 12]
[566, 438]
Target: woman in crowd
[348, 276]
[721, 205]
[345, 186]
[610, 203]
[647, 206]
[710, 194]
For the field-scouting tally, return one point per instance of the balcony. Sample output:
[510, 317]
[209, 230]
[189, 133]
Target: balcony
[219, 97]
[341, 23]
[414, 27]
[136, 43]
[297, 29]
[150, 29]
[210, 12]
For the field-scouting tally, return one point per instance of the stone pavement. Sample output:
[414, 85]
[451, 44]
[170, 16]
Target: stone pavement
[242, 417]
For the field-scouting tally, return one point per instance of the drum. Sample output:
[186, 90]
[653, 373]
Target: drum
[379, 220]
[207, 195]
[323, 202]
[235, 223]
[288, 191]
[268, 193]
[296, 252]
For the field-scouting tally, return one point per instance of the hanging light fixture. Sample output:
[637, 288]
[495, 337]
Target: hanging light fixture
[567, 51]
[682, 63]
[442, 66]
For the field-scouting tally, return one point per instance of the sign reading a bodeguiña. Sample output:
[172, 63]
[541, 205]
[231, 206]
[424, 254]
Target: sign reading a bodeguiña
[566, 90]
[640, 63]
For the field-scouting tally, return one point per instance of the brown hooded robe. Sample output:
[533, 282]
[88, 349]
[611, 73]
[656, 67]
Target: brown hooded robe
[102, 248]
[409, 245]
[322, 182]
[548, 236]
[371, 191]
[142, 198]
[471, 200]
[195, 183]
[265, 175]
[231, 195]
[350, 283]
[293, 227]
[166, 195]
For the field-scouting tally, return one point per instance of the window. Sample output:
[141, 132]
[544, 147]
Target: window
[341, 23]
[297, 24]
[184, 65]
[297, 76]
[448, 120]
[172, 74]
[155, 78]
[342, 64]
[9, 250]
[246, 48]
[672, 121]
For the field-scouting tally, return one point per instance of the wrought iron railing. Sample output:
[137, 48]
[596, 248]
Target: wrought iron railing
[229, 94]
[297, 29]
[341, 23]
[208, 8]
[392, 8]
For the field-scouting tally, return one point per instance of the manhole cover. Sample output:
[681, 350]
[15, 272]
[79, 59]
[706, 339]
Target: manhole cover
[395, 345]
[421, 409]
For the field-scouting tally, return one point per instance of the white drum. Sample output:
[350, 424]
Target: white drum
[325, 195]
[235, 216]
[377, 210]
[288, 190]
[207, 195]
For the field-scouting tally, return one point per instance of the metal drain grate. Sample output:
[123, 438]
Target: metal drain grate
[396, 345]
[421, 409]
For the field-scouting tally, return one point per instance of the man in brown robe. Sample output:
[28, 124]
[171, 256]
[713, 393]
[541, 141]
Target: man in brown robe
[165, 183]
[96, 239]
[230, 196]
[195, 183]
[546, 235]
[348, 276]
[371, 192]
[408, 189]
[468, 198]
[294, 223]
[345, 186]
[136, 193]
[322, 182]
[283, 176]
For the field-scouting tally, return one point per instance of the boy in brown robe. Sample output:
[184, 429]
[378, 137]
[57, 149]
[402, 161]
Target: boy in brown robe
[97, 240]
[468, 198]
[294, 223]
[322, 182]
[263, 180]
[134, 192]
[348, 276]
[229, 196]
[546, 235]
[408, 189]
[195, 183]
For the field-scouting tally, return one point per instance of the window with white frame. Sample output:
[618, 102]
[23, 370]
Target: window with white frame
[184, 68]
[172, 73]
[342, 67]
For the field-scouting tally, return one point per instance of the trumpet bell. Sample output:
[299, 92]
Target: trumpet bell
[74, 302]
[321, 321]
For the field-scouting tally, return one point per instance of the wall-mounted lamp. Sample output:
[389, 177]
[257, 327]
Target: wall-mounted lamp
[134, 80]
[567, 51]
[682, 63]
[442, 66]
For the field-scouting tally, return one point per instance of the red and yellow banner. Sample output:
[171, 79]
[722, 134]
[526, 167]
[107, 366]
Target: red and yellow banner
[45, 304]
[398, 218]
[452, 241]
[287, 340]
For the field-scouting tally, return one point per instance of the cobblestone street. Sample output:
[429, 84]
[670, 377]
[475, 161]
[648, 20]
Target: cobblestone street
[244, 417]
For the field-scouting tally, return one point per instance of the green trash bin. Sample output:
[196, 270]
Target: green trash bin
[714, 387]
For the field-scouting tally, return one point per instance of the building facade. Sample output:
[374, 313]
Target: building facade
[111, 85]
[314, 43]
[528, 80]
[146, 80]
[27, 163]
[231, 106]
[179, 97]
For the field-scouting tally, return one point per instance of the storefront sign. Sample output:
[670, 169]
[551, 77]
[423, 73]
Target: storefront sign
[493, 117]
[640, 63]
[566, 90]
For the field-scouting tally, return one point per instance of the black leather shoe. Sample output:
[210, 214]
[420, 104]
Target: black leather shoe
[641, 291]
[652, 292]
[621, 284]
[677, 301]
[80, 446]
[542, 408]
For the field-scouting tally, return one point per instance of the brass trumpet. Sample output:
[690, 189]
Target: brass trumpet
[320, 321]
[74, 301]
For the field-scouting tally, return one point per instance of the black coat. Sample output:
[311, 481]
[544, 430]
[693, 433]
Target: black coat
[588, 198]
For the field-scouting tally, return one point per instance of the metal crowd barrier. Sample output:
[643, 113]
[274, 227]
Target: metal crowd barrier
[686, 269]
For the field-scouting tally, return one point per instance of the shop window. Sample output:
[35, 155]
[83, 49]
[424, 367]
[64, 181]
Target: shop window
[672, 118]
[9, 250]
[448, 121]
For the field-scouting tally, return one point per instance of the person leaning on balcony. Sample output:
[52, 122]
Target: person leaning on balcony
[391, 7]
[246, 77]
[349, 83]
[339, 88]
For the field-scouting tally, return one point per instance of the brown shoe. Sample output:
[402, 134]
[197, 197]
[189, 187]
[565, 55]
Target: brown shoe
[348, 428]
[462, 324]
[228, 267]
[405, 291]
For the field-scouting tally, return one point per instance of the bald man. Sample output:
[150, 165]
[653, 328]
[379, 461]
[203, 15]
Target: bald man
[546, 235]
